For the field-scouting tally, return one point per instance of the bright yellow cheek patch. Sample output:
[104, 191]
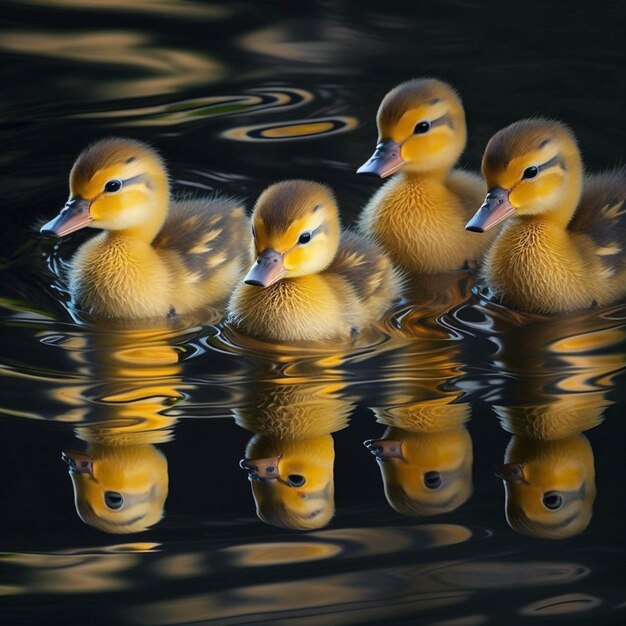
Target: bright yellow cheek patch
[528, 192]
[425, 146]
[111, 205]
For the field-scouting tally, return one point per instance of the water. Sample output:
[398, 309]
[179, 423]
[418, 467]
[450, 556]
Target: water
[449, 386]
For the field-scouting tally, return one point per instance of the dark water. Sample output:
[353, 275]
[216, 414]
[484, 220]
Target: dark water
[236, 96]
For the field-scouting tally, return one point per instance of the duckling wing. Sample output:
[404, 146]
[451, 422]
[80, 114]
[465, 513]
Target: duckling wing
[601, 216]
[364, 266]
[204, 232]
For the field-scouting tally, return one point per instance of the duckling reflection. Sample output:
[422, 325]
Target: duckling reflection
[290, 458]
[121, 480]
[425, 455]
[548, 471]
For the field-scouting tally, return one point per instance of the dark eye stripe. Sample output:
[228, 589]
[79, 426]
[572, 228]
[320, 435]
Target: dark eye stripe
[555, 160]
[444, 120]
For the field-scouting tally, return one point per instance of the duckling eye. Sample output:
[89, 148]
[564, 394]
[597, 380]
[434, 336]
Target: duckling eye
[113, 185]
[296, 480]
[113, 500]
[552, 500]
[432, 480]
[530, 172]
[304, 238]
[421, 128]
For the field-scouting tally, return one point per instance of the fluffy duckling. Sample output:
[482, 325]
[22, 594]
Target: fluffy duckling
[310, 281]
[156, 255]
[561, 248]
[418, 217]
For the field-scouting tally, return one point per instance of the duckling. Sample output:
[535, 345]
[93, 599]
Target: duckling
[156, 255]
[310, 281]
[561, 248]
[418, 217]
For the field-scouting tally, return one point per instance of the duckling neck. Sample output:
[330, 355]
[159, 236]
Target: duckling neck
[148, 229]
[561, 215]
[437, 176]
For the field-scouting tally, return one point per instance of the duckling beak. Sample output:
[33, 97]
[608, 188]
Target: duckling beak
[73, 216]
[494, 209]
[384, 449]
[385, 161]
[78, 462]
[268, 269]
[261, 469]
[512, 473]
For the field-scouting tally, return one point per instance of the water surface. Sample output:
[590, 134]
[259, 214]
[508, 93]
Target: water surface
[445, 390]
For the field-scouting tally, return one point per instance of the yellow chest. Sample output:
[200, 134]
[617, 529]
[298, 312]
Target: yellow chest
[306, 308]
[421, 224]
[534, 266]
[117, 277]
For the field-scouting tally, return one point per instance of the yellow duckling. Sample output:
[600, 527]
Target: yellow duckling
[561, 248]
[290, 459]
[418, 217]
[156, 256]
[310, 281]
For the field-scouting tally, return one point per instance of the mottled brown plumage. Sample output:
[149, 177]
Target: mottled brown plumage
[156, 255]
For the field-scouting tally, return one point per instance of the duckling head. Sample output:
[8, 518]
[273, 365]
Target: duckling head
[292, 480]
[425, 473]
[115, 184]
[421, 128]
[119, 489]
[531, 167]
[295, 225]
[550, 486]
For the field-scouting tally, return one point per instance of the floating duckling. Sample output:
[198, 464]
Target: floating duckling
[156, 255]
[418, 217]
[310, 281]
[561, 248]
[290, 459]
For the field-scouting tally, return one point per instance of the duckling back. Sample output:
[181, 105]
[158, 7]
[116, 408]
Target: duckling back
[202, 241]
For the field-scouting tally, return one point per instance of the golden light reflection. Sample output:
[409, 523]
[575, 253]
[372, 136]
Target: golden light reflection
[425, 455]
[172, 8]
[120, 480]
[151, 70]
[557, 383]
[294, 129]
[290, 458]
[185, 111]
